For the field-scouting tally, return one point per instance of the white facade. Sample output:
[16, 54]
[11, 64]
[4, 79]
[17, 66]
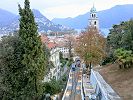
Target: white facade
[93, 21]
[64, 51]
[55, 59]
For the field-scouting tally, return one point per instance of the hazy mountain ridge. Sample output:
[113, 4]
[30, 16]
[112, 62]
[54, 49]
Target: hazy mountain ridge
[5, 17]
[9, 22]
[107, 17]
[43, 23]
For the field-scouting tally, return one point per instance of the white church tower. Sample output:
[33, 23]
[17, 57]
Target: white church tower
[93, 21]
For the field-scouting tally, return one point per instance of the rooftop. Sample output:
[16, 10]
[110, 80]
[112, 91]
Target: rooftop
[93, 9]
[51, 45]
[44, 39]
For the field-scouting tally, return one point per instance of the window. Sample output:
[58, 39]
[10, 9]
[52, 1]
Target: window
[95, 23]
[94, 15]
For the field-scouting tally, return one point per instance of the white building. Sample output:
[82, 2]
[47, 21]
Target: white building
[61, 41]
[93, 21]
[54, 58]
[64, 51]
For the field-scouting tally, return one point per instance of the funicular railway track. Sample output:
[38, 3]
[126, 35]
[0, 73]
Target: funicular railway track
[73, 88]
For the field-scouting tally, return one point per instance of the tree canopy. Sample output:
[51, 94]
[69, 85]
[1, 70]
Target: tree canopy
[91, 46]
[121, 36]
[32, 52]
[120, 43]
[22, 60]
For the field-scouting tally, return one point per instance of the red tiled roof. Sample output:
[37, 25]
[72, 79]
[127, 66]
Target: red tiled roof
[51, 45]
[44, 39]
[61, 44]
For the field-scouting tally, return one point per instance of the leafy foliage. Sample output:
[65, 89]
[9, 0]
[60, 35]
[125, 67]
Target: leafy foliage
[120, 36]
[124, 57]
[91, 46]
[49, 64]
[11, 78]
[52, 87]
[22, 60]
[70, 44]
[32, 52]
[62, 60]
[70, 61]
[120, 43]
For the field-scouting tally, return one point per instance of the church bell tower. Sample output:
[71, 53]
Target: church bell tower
[93, 21]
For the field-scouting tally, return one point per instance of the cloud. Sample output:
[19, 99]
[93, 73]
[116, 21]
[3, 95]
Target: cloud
[63, 11]
[80, 7]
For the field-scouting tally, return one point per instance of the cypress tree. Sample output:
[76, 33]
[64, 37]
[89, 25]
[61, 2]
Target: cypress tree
[33, 58]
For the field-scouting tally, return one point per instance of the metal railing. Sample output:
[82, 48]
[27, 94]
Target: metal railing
[82, 88]
[66, 87]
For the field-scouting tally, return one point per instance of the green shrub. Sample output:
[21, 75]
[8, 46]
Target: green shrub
[52, 87]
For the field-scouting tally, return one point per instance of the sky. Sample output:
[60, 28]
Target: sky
[63, 8]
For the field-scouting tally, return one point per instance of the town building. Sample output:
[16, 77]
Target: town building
[62, 42]
[54, 58]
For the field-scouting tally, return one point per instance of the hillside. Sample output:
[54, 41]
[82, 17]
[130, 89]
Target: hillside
[107, 17]
[120, 80]
[43, 23]
[5, 17]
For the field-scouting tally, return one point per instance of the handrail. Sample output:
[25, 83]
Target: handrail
[82, 88]
[66, 86]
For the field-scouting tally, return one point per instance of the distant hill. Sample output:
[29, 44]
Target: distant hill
[106, 17]
[43, 23]
[5, 17]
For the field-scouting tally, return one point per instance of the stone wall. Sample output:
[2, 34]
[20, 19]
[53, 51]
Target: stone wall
[103, 90]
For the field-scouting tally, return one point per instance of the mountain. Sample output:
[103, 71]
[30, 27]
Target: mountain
[5, 17]
[106, 17]
[43, 23]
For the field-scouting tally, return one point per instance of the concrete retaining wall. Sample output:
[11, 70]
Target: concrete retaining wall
[102, 89]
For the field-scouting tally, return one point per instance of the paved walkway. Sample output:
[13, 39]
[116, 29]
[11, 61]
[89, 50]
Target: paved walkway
[73, 91]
